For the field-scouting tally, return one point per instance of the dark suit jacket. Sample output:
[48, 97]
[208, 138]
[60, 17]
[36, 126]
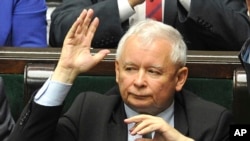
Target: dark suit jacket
[6, 121]
[98, 117]
[210, 24]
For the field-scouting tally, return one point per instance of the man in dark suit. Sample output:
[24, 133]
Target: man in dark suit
[148, 100]
[204, 24]
[6, 120]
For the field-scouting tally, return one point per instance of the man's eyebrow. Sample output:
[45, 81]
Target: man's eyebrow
[152, 66]
[157, 68]
[127, 63]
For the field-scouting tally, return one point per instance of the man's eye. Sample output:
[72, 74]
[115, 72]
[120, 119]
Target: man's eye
[153, 72]
[129, 68]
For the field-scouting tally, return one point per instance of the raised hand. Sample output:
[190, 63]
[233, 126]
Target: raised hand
[76, 56]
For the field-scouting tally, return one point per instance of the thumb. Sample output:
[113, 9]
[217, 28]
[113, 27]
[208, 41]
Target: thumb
[101, 54]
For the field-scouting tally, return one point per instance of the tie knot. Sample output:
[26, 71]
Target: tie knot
[154, 9]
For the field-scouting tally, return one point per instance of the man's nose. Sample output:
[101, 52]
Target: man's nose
[140, 79]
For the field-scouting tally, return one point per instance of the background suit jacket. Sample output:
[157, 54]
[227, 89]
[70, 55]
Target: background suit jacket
[210, 24]
[98, 117]
[6, 121]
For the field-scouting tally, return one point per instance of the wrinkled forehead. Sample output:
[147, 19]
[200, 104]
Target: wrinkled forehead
[160, 45]
[136, 49]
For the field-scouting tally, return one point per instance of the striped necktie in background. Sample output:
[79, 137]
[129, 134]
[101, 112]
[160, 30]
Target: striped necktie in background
[154, 9]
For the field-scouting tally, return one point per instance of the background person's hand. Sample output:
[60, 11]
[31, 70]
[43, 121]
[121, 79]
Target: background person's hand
[76, 56]
[133, 3]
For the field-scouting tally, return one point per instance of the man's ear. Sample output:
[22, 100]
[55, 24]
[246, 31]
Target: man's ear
[182, 77]
[117, 71]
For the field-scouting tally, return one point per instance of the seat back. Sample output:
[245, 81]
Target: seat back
[241, 102]
[219, 91]
[35, 74]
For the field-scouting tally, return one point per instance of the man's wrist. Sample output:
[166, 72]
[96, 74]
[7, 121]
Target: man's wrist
[64, 75]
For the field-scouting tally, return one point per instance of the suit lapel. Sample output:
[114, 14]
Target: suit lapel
[170, 11]
[117, 129]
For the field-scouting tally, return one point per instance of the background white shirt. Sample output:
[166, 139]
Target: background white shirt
[138, 13]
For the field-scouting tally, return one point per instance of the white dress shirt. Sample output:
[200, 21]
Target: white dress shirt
[138, 13]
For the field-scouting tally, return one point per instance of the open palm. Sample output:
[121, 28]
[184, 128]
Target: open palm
[76, 56]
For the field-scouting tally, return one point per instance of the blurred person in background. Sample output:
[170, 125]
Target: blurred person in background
[23, 23]
[204, 24]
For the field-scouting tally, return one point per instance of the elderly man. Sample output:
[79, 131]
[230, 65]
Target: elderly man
[148, 101]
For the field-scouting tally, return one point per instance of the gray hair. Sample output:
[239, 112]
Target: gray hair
[150, 30]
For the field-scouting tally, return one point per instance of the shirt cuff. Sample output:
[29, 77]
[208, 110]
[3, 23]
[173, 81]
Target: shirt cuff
[52, 93]
[186, 4]
[125, 10]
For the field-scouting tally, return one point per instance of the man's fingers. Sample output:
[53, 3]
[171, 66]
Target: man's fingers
[76, 25]
[91, 31]
[87, 20]
[140, 128]
[81, 26]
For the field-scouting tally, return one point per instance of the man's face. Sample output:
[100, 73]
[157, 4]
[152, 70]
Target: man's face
[146, 76]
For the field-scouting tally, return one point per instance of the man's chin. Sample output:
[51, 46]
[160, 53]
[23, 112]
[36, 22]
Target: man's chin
[140, 107]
